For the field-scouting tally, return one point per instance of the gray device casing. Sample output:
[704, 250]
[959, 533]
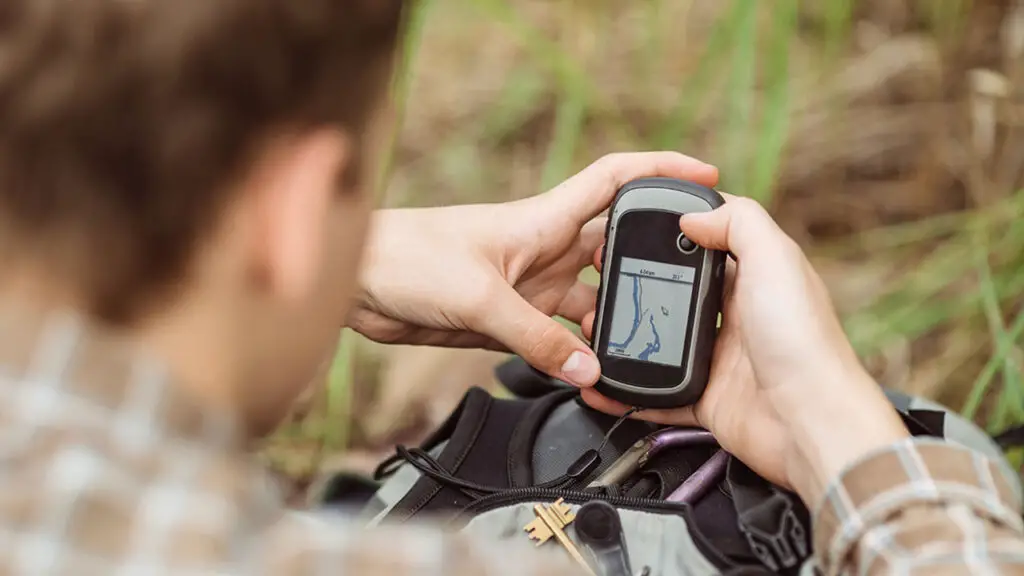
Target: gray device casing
[681, 197]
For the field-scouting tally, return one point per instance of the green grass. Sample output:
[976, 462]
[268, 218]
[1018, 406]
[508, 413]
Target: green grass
[339, 392]
[961, 271]
[774, 126]
[695, 88]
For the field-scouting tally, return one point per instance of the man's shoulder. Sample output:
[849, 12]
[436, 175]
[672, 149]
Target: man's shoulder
[86, 507]
[90, 500]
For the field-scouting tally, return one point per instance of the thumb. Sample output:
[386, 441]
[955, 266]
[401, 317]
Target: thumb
[540, 340]
[741, 225]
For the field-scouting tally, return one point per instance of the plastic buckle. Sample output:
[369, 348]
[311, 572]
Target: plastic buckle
[786, 546]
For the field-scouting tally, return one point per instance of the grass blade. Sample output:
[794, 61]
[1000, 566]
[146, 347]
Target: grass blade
[947, 18]
[545, 52]
[568, 125]
[838, 17]
[984, 380]
[519, 99]
[887, 238]
[570, 76]
[415, 20]
[339, 393]
[775, 113]
[695, 87]
[913, 314]
[741, 97]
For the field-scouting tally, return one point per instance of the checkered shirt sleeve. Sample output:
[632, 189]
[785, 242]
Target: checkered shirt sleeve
[921, 506]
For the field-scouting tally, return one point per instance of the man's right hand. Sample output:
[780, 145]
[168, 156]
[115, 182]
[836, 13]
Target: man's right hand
[787, 395]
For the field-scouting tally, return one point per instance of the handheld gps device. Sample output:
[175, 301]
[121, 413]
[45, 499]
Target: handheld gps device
[660, 296]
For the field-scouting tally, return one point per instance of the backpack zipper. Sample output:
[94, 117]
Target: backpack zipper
[520, 495]
[515, 496]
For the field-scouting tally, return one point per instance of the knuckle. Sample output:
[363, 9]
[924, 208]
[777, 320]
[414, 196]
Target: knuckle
[791, 246]
[793, 249]
[609, 160]
[749, 208]
[611, 165]
[543, 343]
[750, 215]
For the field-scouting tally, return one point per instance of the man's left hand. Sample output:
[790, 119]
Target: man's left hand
[493, 275]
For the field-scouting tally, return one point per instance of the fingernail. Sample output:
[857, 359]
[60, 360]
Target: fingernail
[581, 369]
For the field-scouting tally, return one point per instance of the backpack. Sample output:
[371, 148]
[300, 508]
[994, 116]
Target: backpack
[495, 459]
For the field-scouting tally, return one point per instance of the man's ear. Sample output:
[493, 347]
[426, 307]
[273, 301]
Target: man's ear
[296, 178]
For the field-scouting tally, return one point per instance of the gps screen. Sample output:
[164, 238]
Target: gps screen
[652, 310]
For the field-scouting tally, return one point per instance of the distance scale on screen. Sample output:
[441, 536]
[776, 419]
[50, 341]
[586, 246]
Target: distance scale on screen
[652, 309]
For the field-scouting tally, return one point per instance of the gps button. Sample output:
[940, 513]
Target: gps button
[685, 245]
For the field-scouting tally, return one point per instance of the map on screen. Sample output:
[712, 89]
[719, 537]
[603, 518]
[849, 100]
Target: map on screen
[652, 308]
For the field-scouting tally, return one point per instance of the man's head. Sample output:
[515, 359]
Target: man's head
[195, 171]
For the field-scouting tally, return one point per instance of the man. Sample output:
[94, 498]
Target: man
[183, 209]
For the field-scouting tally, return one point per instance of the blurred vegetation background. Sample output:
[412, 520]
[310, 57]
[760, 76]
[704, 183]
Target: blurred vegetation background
[884, 135]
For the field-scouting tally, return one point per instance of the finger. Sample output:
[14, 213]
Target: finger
[587, 325]
[591, 191]
[592, 233]
[591, 238]
[727, 291]
[684, 416]
[730, 279]
[579, 301]
[597, 257]
[741, 225]
[539, 339]
[448, 339]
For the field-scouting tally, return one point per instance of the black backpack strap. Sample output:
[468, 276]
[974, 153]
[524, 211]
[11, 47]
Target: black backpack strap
[925, 422]
[476, 452]
[462, 430]
[343, 491]
[524, 437]
[474, 400]
[1010, 438]
[525, 381]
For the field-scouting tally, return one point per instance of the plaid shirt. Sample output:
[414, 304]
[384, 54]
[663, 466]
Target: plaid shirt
[106, 468]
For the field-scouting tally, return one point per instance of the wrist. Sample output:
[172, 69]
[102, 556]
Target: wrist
[843, 421]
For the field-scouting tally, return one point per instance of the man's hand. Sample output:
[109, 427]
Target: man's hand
[787, 395]
[493, 275]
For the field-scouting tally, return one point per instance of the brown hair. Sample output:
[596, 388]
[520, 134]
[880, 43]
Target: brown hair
[123, 122]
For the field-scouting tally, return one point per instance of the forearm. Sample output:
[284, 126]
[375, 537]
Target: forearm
[837, 428]
[887, 502]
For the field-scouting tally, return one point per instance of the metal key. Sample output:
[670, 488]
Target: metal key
[560, 514]
[549, 522]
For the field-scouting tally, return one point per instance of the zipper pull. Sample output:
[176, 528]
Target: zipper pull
[584, 465]
[599, 530]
